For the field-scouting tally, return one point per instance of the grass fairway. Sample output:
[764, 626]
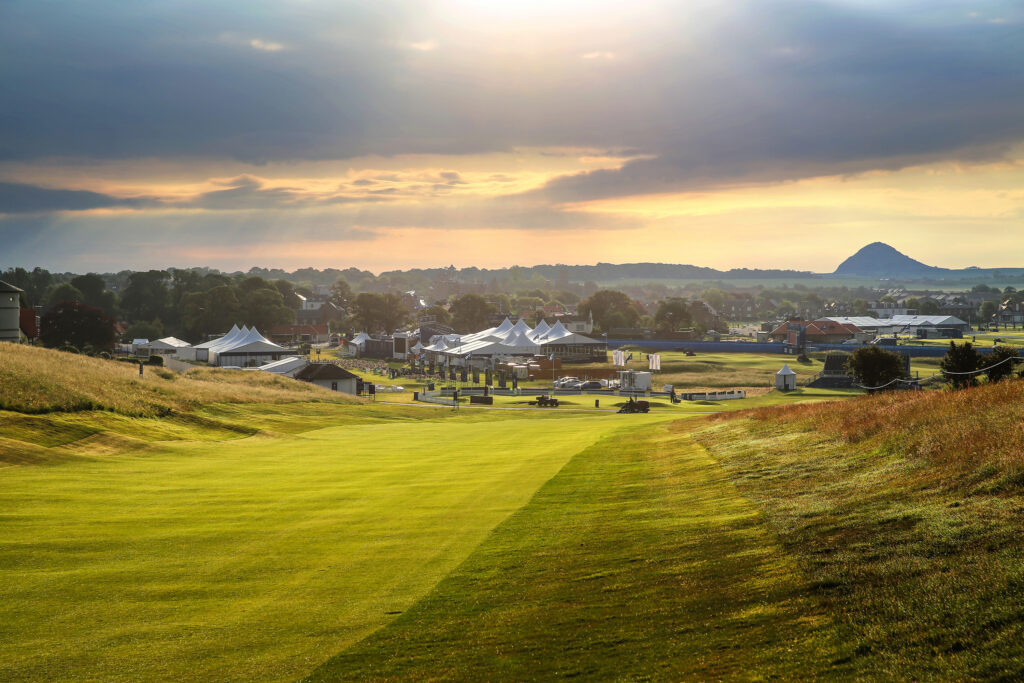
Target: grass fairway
[639, 561]
[256, 557]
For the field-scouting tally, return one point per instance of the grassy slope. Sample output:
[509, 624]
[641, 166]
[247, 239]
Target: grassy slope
[639, 560]
[904, 512]
[37, 380]
[254, 557]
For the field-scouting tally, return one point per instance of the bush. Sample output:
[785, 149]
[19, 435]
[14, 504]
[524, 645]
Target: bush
[68, 348]
[105, 355]
[875, 368]
[961, 360]
[156, 360]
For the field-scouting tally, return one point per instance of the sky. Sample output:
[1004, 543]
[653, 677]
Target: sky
[396, 134]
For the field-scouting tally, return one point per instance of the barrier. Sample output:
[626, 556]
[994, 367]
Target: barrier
[912, 350]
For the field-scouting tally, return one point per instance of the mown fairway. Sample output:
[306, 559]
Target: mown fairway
[258, 557]
[639, 561]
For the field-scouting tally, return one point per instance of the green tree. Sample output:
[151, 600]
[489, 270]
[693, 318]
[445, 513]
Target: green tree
[264, 307]
[78, 324]
[64, 292]
[95, 293]
[438, 313]
[860, 307]
[875, 368]
[961, 359]
[988, 310]
[394, 313]
[211, 311]
[147, 296]
[999, 364]
[470, 313]
[145, 330]
[928, 307]
[611, 309]
[341, 293]
[673, 314]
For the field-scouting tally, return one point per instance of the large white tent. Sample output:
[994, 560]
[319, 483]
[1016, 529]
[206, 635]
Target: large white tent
[509, 340]
[247, 351]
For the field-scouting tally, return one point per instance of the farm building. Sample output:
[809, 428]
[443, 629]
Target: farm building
[329, 376]
[10, 312]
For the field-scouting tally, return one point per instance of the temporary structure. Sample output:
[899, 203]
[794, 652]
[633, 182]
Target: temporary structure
[785, 379]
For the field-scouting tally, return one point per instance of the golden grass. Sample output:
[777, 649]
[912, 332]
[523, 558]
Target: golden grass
[37, 380]
[956, 432]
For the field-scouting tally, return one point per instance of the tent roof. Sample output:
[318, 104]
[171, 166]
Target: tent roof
[7, 287]
[541, 328]
[569, 338]
[254, 346]
[227, 338]
[785, 370]
[505, 326]
[168, 343]
[521, 327]
[284, 365]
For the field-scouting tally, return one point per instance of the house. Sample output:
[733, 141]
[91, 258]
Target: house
[1010, 313]
[329, 376]
[10, 312]
[823, 331]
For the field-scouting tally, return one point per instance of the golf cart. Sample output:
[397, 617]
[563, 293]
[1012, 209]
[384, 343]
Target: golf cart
[635, 406]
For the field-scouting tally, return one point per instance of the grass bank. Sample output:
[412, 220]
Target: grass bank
[904, 513]
[38, 380]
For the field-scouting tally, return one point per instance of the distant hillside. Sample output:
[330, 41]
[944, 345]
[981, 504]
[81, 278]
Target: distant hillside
[880, 260]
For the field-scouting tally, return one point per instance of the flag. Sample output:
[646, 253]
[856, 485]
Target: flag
[654, 361]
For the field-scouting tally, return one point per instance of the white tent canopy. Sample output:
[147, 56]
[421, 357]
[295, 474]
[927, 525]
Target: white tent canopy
[786, 370]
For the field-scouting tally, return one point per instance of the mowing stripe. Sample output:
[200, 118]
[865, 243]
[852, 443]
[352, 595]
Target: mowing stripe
[639, 559]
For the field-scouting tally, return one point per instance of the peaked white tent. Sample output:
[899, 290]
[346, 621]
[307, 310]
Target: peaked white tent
[785, 379]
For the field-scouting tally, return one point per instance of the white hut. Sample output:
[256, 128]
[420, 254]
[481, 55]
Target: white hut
[785, 379]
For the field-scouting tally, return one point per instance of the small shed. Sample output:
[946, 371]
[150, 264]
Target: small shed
[329, 376]
[785, 379]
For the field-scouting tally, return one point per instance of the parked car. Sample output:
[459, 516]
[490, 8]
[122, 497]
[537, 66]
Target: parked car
[592, 384]
[562, 382]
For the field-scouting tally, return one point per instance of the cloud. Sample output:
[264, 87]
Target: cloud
[266, 46]
[711, 94]
[423, 46]
[20, 198]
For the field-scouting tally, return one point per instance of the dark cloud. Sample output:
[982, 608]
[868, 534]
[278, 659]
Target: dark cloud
[714, 92]
[18, 198]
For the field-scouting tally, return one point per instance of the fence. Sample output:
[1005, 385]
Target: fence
[912, 350]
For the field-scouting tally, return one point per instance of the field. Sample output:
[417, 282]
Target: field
[262, 536]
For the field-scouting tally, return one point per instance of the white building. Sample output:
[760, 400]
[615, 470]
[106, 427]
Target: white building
[329, 376]
[10, 312]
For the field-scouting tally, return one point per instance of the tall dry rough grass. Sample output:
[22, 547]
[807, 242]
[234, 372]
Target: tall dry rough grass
[37, 380]
[956, 430]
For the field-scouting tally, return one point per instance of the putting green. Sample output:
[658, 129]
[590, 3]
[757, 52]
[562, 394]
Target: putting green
[258, 557]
